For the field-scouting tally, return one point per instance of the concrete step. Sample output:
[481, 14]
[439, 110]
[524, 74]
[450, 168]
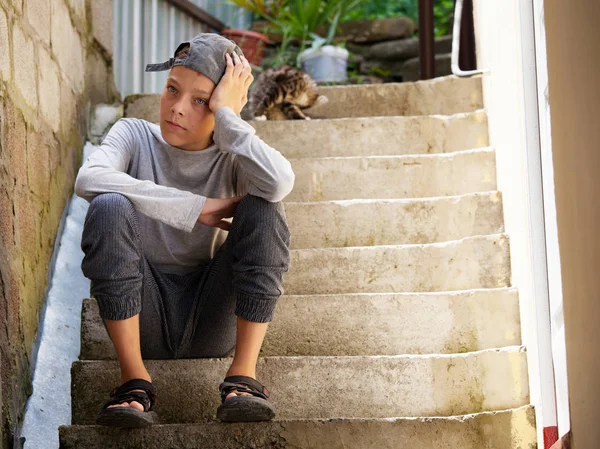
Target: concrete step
[326, 224]
[375, 136]
[367, 324]
[507, 429]
[343, 178]
[470, 263]
[444, 95]
[325, 387]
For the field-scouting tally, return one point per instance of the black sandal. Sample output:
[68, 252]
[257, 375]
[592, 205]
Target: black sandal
[129, 416]
[244, 408]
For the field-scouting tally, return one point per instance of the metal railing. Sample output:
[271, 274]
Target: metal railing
[466, 35]
[463, 37]
[148, 31]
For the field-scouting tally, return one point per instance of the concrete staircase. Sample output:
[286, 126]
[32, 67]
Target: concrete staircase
[399, 328]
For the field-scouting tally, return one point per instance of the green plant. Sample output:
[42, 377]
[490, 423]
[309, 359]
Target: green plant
[268, 10]
[381, 9]
[443, 17]
[443, 12]
[299, 20]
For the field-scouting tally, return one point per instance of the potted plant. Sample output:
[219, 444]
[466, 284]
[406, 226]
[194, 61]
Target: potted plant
[251, 43]
[299, 20]
[322, 60]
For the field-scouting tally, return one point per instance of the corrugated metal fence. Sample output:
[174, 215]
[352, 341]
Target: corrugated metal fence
[148, 31]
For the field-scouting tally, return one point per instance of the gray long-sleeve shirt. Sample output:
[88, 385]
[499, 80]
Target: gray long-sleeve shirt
[169, 186]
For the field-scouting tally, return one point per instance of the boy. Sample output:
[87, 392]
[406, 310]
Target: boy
[172, 277]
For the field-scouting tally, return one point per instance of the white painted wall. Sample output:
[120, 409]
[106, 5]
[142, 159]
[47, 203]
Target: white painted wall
[505, 46]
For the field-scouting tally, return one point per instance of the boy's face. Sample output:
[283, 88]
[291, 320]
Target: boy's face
[184, 101]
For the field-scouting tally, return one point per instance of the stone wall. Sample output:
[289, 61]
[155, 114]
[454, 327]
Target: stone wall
[55, 62]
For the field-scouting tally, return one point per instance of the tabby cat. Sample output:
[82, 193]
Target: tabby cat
[281, 93]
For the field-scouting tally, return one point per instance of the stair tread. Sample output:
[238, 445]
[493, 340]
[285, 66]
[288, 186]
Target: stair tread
[472, 262]
[365, 136]
[442, 95]
[397, 176]
[370, 324]
[326, 386]
[476, 431]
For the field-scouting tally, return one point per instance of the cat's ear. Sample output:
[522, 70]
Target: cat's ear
[321, 99]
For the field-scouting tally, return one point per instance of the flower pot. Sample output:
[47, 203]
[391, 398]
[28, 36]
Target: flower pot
[251, 43]
[326, 63]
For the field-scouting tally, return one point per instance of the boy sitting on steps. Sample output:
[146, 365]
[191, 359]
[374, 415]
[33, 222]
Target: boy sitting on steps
[172, 277]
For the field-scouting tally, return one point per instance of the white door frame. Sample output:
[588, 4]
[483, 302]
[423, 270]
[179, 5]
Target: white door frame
[543, 226]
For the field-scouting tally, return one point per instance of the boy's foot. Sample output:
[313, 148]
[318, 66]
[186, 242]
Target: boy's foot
[130, 405]
[244, 399]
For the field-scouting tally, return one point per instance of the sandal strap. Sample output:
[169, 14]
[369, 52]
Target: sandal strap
[125, 393]
[243, 384]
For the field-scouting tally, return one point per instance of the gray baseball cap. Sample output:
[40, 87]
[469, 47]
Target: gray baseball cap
[206, 55]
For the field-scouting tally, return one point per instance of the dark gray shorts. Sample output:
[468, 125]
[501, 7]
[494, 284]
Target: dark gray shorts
[191, 315]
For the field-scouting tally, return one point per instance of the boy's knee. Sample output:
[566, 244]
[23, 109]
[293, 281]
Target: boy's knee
[110, 207]
[257, 208]
[111, 202]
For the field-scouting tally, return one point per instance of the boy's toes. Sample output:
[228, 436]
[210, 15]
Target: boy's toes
[234, 393]
[132, 404]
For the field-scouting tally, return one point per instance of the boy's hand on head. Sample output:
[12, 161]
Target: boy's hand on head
[232, 89]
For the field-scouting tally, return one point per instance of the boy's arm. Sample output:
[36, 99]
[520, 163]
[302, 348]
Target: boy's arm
[105, 171]
[268, 172]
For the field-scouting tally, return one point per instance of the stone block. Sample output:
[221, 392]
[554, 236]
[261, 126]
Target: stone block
[54, 157]
[38, 164]
[366, 30]
[49, 86]
[143, 106]
[14, 299]
[24, 63]
[68, 110]
[66, 45]
[102, 22]
[382, 68]
[399, 49]
[38, 16]
[48, 229]
[14, 138]
[78, 7]
[58, 195]
[442, 67]
[4, 47]
[26, 213]
[6, 222]
[17, 5]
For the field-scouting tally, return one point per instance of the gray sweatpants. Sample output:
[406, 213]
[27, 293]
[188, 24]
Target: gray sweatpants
[191, 315]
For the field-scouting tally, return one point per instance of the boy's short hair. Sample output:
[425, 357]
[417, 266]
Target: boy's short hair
[183, 53]
[205, 54]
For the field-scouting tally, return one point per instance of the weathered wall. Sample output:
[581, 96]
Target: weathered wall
[55, 61]
[573, 39]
